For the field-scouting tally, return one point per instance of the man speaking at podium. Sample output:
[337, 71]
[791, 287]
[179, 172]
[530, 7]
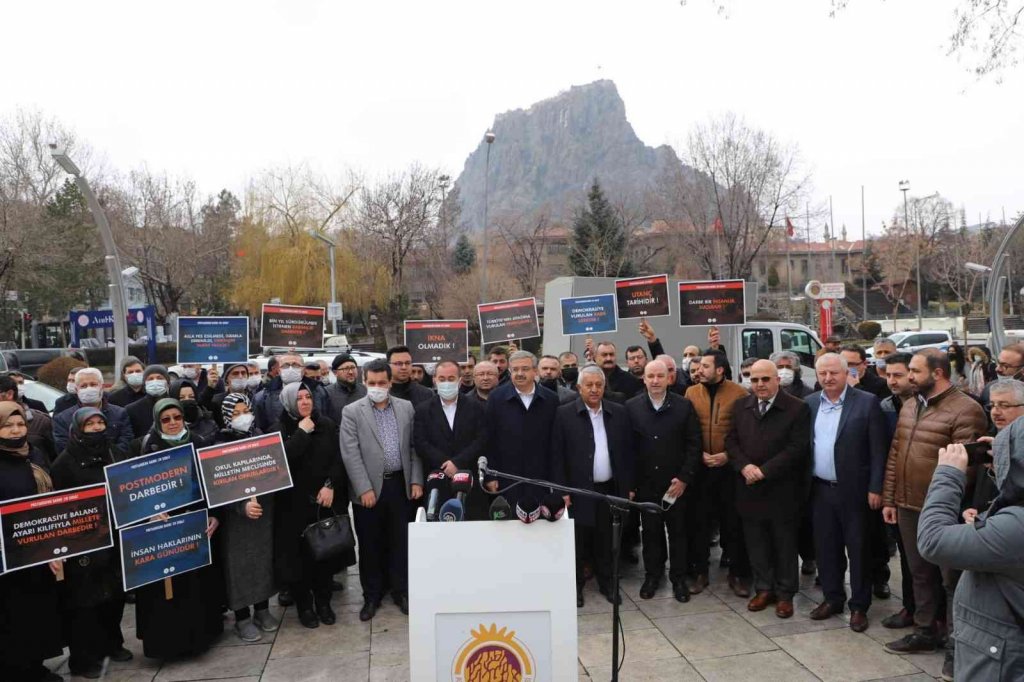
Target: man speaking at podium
[591, 448]
[519, 415]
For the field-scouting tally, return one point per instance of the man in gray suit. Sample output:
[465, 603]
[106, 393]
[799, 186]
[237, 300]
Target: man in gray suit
[385, 476]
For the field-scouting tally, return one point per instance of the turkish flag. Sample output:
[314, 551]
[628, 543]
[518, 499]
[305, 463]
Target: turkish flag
[790, 230]
[718, 227]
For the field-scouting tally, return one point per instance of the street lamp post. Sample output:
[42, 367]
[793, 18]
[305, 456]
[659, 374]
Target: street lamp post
[334, 290]
[118, 303]
[905, 187]
[489, 139]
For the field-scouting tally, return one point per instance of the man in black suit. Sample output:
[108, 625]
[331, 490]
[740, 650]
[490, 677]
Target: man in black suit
[768, 446]
[450, 434]
[849, 446]
[858, 376]
[519, 417]
[620, 385]
[591, 448]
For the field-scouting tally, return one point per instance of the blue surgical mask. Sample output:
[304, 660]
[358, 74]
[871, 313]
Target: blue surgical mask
[156, 387]
[448, 390]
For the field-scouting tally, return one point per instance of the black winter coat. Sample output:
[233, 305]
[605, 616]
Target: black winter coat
[666, 443]
[125, 396]
[572, 453]
[519, 440]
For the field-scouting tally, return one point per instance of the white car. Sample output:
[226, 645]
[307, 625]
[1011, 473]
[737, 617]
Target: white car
[44, 393]
[910, 342]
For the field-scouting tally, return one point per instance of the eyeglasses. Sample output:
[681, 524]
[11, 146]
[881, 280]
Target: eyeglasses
[1003, 365]
[290, 365]
[171, 418]
[1005, 406]
[760, 380]
[347, 368]
[395, 363]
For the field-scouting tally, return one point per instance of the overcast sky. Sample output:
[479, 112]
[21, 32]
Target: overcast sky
[219, 90]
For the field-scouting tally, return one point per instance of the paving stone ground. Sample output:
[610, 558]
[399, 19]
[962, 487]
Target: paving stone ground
[713, 637]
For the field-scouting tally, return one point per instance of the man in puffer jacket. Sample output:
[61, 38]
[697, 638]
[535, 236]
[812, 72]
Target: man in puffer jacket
[988, 608]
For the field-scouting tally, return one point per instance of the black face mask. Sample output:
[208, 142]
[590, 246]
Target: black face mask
[550, 384]
[190, 408]
[13, 443]
[94, 440]
[570, 374]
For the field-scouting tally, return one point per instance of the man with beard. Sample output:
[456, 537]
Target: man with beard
[402, 385]
[636, 360]
[550, 374]
[466, 384]
[346, 389]
[620, 385]
[941, 415]
[499, 358]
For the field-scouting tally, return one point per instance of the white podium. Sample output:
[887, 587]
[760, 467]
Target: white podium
[492, 600]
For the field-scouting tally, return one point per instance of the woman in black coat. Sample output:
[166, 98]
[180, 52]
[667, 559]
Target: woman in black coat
[198, 419]
[190, 621]
[93, 598]
[320, 485]
[29, 621]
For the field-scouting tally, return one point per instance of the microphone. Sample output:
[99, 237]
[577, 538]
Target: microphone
[436, 484]
[500, 511]
[527, 509]
[452, 510]
[553, 507]
[462, 483]
[481, 467]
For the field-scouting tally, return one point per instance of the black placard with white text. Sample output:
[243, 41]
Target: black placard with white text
[436, 340]
[505, 321]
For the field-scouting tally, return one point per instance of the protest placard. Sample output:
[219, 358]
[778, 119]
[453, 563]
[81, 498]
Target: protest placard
[292, 326]
[718, 303]
[642, 297]
[436, 340]
[213, 339]
[588, 314]
[37, 529]
[153, 484]
[244, 468]
[164, 549]
[508, 320]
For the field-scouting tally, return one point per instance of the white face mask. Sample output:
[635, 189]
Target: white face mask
[190, 373]
[90, 395]
[327, 379]
[377, 394]
[254, 382]
[238, 384]
[289, 375]
[71, 388]
[786, 376]
[156, 388]
[134, 380]
[745, 382]
[21, 391]
[448, 390]
[243, 422]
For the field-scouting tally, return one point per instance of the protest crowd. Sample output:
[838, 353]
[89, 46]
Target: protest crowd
[787, 475]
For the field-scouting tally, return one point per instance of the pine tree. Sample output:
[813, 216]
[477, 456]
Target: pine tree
[463, 256]
[599, 240]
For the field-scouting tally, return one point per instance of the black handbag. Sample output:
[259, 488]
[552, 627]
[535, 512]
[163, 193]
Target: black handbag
[330, 537]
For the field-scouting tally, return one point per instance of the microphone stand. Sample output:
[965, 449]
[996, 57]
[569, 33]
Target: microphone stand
[618, 506]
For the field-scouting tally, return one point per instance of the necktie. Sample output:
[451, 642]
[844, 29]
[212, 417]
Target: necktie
[764, 407]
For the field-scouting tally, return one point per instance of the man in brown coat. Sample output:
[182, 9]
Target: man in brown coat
[769, 446]
[941, 414]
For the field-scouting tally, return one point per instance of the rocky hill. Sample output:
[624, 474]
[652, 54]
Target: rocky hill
[547, 156]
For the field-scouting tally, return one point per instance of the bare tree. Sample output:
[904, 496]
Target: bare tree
[947, 263]
[294, 199]
[893, 262]
[525, 239]
[743, 185]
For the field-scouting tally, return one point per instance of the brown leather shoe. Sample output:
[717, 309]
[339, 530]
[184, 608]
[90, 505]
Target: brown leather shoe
[761, 601]
[784, 609]
[698, 584]
[858, 621]
[739, 587]
[825, 610]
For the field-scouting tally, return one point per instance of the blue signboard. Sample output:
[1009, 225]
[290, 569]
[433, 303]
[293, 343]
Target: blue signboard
[142, 487]
[164, 549]
[83, 320]
[213, 339]
[588, 314]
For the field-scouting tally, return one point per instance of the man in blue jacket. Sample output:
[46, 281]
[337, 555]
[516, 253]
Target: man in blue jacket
[89, 391]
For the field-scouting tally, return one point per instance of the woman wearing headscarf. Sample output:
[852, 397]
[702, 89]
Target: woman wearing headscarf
[190, 621]
[247, 537]
[29, 622]
[988, 606]
[198, 419]
[314, 457]
[93, 599]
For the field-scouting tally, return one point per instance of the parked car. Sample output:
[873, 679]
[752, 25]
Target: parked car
[909, 342]
[44, 393]
[29, 360]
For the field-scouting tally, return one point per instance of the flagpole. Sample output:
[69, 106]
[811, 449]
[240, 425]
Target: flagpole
[789, 267]
[863, 254]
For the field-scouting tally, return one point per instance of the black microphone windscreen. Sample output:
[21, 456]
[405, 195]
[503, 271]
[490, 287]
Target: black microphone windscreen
[553, 507]
[500, 510]
[527, 509]
[452, 510]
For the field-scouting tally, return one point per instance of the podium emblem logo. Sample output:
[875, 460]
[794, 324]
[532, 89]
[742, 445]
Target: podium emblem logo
[493, 655]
